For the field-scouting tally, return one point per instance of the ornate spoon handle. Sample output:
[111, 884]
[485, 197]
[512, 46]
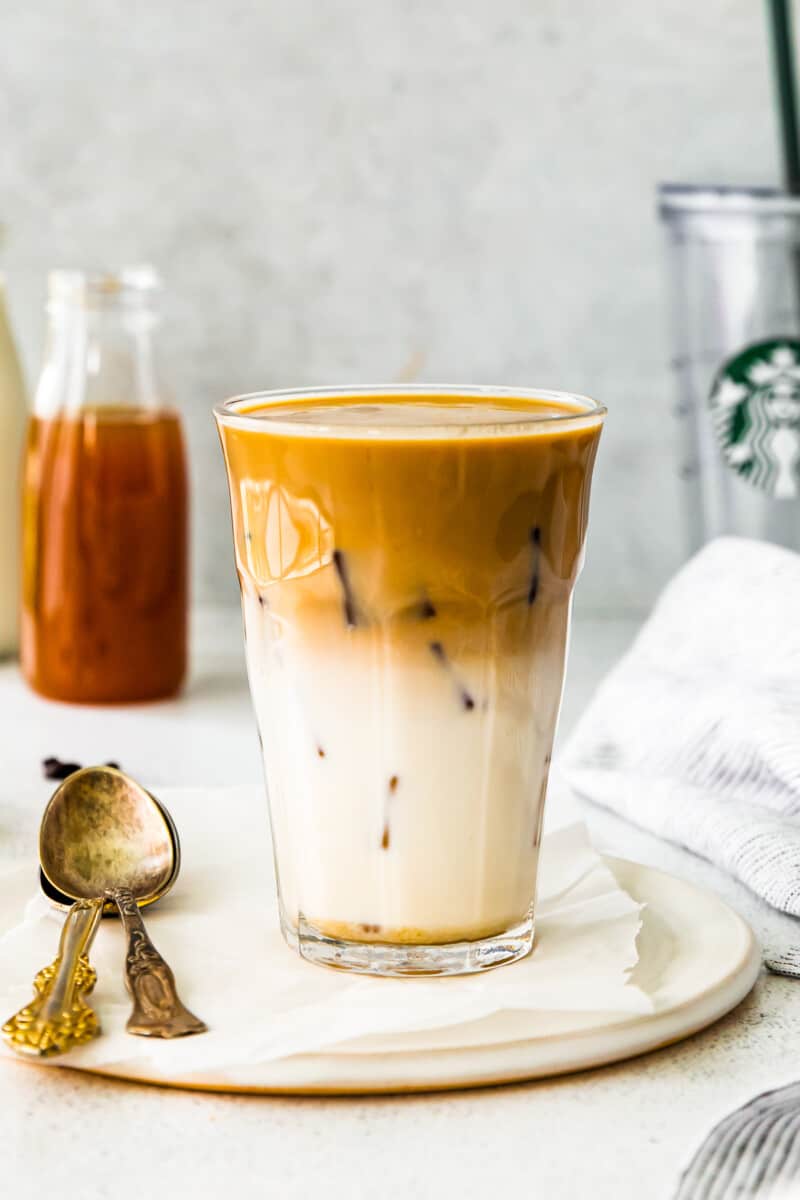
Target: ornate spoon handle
[157, 1008]
[59, 1017]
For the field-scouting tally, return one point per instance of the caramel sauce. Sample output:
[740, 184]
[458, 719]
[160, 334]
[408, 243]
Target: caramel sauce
[104, 602]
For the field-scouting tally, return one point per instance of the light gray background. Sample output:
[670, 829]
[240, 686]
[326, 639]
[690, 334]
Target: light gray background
[369, 190]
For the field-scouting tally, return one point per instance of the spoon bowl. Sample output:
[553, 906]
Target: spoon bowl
[102, 830]
[61, 900]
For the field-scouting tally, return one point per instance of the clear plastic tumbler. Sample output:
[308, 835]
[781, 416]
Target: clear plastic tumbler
[734, 258]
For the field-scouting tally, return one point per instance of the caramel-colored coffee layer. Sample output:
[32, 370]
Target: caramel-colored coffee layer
[391, 526]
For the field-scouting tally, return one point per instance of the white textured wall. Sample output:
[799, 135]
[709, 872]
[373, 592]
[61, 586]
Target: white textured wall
[358, 190]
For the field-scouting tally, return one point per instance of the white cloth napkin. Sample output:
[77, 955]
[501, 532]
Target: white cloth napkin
[262, 1002]
[695, 734]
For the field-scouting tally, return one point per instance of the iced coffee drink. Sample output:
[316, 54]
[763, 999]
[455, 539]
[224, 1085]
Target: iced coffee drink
[406, 559]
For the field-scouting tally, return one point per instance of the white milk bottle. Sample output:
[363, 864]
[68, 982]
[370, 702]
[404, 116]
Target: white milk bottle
[13, 413]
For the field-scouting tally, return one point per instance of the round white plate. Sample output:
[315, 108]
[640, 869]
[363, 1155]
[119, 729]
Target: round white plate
[697, 959]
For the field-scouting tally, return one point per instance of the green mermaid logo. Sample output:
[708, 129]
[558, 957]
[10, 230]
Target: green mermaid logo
[755, 412]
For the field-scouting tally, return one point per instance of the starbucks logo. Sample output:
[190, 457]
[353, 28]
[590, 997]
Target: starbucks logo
[755, 411]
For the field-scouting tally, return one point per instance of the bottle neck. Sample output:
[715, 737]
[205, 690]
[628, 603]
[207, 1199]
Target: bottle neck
[98, 357]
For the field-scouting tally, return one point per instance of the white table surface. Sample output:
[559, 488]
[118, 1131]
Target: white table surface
[619, 1132]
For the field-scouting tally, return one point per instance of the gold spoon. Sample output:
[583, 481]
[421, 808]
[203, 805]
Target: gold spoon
[59, 1017]
[103, 840]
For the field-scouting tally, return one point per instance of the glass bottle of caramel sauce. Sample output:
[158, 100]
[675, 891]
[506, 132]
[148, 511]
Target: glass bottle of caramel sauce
[104, 557]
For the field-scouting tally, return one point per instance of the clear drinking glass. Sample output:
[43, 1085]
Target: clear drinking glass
[407, 557]
[734, 259]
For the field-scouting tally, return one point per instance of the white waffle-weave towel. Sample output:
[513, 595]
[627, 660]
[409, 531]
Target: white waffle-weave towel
[695, 734]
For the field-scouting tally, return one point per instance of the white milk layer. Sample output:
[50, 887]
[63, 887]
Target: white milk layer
[406, 794]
